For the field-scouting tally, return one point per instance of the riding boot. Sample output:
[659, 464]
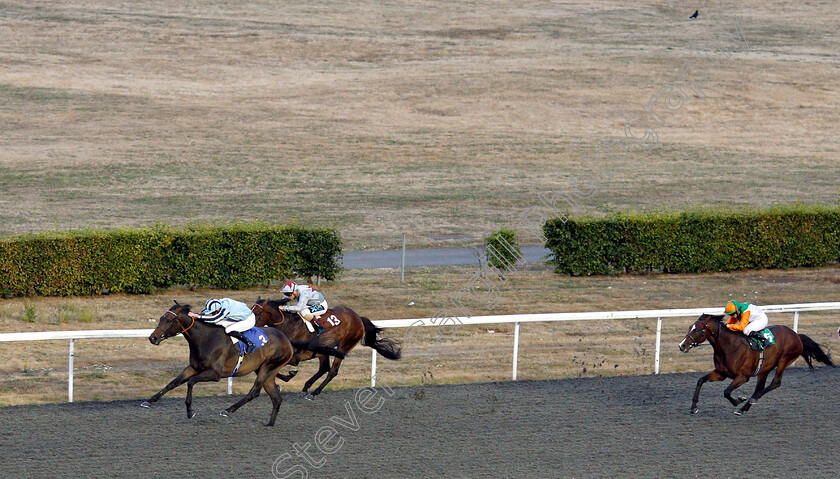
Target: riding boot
[249, 346]
[318, 328]
[757, 337]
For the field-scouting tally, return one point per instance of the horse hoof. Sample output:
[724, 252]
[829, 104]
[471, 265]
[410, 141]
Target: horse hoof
[738, 412]
[309, 397]
[752, 401]
[190, 415]
[146, 404]
[224, 413]
[694, 410]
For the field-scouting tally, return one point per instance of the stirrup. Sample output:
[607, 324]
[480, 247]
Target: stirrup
[249, 346]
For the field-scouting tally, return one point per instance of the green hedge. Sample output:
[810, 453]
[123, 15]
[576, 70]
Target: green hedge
[696, 241]
[140, 260]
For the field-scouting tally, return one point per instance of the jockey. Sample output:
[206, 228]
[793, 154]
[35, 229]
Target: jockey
[745, 317]
[310, 304]
[234, 316]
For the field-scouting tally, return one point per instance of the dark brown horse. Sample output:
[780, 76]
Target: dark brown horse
[213, 356]
[735, 359]
[344, 329]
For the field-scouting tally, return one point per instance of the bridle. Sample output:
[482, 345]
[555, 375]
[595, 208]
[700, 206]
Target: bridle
[694, 342]
[183, 330]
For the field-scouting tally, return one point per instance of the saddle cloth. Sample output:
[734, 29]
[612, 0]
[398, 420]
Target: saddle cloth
[768, 337]
[256, 336]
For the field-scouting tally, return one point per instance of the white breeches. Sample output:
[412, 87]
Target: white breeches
[308, 315]
[757, 324]
[239, 326]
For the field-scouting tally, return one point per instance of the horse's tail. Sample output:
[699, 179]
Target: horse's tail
[384, 346]
[312, 345]
[812, 350]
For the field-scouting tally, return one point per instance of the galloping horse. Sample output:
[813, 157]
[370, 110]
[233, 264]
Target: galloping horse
[735, 359]
[344, 330]
[213, 356]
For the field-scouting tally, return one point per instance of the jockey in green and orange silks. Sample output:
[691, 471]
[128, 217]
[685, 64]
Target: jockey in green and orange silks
[745, 317]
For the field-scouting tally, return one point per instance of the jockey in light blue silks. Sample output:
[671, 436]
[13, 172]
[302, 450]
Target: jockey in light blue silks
[234, 316]
[310, 304]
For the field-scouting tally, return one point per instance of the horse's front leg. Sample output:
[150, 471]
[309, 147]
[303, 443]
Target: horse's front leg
[712, 376]
[735, 384]
[287, 377]
[760, 390]
[762, 379]
[203, 376]
[263, 375]
[187, 373]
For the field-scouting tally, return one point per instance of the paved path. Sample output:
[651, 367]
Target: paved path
[429, 257]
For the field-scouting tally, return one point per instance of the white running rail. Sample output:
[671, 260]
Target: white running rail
[517, 319]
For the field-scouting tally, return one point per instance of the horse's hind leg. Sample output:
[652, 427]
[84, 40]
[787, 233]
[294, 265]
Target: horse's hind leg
[333, 373]
[712, 376]
[323, 367]
[735, 384]
[276, 400]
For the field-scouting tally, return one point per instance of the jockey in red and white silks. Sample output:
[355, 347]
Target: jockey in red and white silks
[310, 304]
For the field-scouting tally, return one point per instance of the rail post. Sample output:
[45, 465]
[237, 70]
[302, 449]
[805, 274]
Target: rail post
[70, 372]
[373, 368]
[795, 329]
[515, 349]
[658, 344]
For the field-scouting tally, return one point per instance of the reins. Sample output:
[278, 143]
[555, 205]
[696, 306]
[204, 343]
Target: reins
[179, 324]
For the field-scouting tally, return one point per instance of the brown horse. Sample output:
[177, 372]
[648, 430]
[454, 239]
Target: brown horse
[344, 329]
[213, 356]
[735, 359]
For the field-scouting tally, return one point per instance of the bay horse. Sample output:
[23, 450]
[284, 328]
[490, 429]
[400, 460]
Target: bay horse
[344, 329]
[735, 359]
[213, 356]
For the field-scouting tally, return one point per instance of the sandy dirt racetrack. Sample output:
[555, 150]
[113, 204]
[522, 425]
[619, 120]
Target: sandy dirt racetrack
[599, 427]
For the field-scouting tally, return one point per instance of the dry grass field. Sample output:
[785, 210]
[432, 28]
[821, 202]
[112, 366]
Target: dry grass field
[424, 117]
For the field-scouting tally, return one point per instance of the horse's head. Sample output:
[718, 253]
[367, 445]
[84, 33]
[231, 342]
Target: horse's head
[172, 323]
[261, 312]
[699, 332]
[268, 312]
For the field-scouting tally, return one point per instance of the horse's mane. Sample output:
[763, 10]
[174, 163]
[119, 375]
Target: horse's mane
[276, 303]
[184, 307]
[716, 317]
